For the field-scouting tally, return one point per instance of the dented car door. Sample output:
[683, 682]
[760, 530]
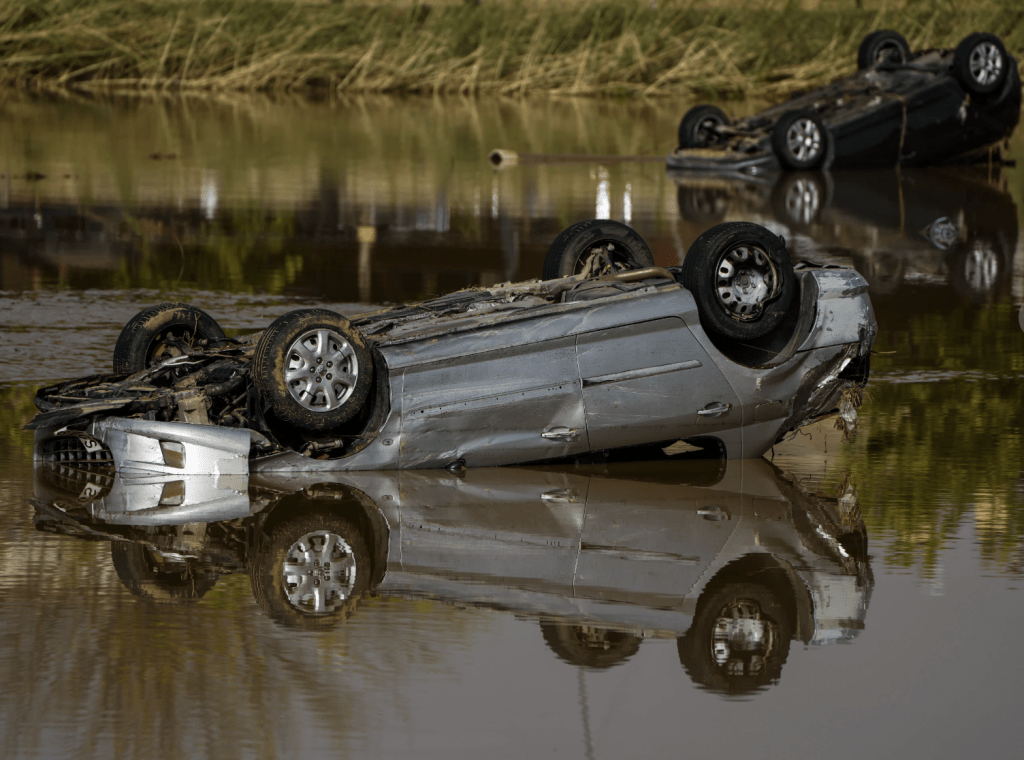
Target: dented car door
[524, 400]
[651, 381]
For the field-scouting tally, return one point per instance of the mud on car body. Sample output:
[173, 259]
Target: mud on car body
[901, 108]
[730, 351]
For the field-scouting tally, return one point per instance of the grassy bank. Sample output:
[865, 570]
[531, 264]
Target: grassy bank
[729, 47]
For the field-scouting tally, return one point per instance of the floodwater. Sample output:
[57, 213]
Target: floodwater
[577, 612]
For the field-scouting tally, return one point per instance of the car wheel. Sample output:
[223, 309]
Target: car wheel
[313, 369]
[799, 198]
[980, 63]
[739, 639]
[741, 278]
[164, 580]
[696, 130]
[144, 340]
[617, 246]
[883, 45]
[976, 270]
[311, 570]
[589, 646]
[800, 140]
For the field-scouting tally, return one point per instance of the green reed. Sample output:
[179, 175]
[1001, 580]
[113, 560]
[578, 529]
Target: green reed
[726, 47]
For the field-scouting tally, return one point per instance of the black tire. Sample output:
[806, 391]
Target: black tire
[328, 339]
[980, 64]
[294, 600]
[695, 130]
[881, 46]
[145, 576]
[707, 655]
[569, 252]
[588, 646]
[799, 198]
[800, 140]
[744, 314]
[141, 343]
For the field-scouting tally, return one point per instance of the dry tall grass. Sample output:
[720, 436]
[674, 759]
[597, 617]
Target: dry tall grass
[728, 47]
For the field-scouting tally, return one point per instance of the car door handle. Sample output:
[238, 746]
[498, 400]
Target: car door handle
[561, 496]
[561, 434]
[714, 409]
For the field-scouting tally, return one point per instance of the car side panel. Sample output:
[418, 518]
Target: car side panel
[646, 382]
[494, 407]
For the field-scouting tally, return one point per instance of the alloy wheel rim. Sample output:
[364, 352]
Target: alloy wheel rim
[321, 370]
[319, 573]
[986, 63]
[742, 638]
[803, 138]
[745, 280]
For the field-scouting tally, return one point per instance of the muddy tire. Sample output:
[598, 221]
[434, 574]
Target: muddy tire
[569, 253]
[882, 45]
[696, 128]
[980, 64]
[311, 570]
[313, 369]
[145, 576]
[726, 663]
[142, 342]
[800, 140]
[741, 278]
[588, 646]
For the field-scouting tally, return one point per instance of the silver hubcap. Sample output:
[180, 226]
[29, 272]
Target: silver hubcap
[746, 280]
[803, 200]
[319, 573]
[981, 268]
[889, 51]
[321, 370]
[741, 635]
[702, 133]
[804, 140]
[985, 63]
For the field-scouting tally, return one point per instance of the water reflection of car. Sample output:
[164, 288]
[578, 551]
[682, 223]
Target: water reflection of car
[922, 226]
[901, 108]
[732, 350]
[733, 560]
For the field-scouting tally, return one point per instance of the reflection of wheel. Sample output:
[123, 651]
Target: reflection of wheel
[164, 578]
[702, 205]
[696, 130]
[799, 198]
[739, 639]
[144, 341]
[881, 46]
[312, 570]
[589, 646]
[799, 139]
[313, 368]
[980, 63]
[976, 269]
[742, 279]
[616, 245]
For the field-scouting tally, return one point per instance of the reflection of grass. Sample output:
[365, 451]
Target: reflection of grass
[16, 409]
[582, 46]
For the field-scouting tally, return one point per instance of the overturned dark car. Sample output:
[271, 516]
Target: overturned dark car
[729, 352]
[901, 108]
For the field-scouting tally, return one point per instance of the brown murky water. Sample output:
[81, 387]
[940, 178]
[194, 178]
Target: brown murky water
[528, 611]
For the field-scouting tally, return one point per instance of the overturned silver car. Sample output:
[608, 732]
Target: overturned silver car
[608, 356]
